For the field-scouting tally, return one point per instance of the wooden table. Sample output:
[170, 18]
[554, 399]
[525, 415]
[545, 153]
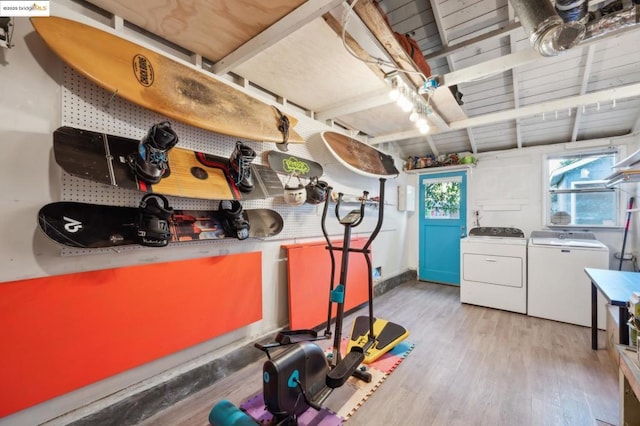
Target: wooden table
[629, 379]
[617, 287]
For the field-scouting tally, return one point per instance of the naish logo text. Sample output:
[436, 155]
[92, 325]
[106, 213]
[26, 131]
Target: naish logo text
[72, 225]
[143, 70]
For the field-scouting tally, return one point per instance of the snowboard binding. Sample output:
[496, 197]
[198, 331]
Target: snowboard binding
[316, 190]
[233, 222]
[152, 222]
[150, 163]
[240, 160]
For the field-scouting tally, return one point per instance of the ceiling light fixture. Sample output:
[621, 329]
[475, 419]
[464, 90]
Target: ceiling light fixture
[412, 101]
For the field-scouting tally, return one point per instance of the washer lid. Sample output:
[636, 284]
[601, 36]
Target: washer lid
[562, 242]
[564, 235]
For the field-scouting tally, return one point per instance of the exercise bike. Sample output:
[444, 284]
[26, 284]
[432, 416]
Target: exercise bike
[301, 375]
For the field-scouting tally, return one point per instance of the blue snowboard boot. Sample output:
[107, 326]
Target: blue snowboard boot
[150, 162]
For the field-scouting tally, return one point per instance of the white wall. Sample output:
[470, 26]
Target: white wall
[506, 187]
[30, 83]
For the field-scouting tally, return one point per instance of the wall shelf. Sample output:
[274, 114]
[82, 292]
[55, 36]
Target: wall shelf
[626, 176]
[628, 161]
[625, 171]
[442, 169]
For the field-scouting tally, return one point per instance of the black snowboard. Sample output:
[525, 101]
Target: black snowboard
[97, 226]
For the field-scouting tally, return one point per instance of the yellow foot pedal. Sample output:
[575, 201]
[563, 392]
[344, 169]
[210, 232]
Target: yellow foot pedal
[388, 335]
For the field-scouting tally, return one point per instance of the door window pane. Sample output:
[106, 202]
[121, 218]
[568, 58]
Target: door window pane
[442, 200]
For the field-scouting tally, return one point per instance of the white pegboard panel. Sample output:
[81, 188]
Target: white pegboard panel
[88, 106]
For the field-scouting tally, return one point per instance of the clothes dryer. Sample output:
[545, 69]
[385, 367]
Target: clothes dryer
[493, 268]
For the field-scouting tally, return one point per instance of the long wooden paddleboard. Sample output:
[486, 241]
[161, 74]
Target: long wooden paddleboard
[358, 156]
[163, 85]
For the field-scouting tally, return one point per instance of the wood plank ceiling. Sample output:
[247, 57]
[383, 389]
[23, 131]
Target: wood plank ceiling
[512, 96]
[459, 35]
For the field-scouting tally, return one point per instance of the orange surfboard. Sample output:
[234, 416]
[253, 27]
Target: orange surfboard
[163, 85]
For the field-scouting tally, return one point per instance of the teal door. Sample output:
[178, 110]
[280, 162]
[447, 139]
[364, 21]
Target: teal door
[443, 221]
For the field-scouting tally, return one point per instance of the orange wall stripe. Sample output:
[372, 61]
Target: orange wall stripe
[63, 332]
[309, 272]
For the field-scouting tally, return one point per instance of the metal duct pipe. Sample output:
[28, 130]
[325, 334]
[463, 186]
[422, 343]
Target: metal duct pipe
[614, 21]
[548, 33]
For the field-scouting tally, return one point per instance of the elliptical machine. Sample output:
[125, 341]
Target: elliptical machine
[300, 376]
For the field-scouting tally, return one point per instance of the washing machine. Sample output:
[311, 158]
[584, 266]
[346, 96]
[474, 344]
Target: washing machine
[559, 289]
[493, 268]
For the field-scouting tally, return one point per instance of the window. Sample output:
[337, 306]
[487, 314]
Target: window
[577, 194]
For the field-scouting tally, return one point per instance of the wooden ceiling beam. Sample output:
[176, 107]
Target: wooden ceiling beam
[621, 92]
[437, 15]
[636, 126]
[292, 22]
[583, 89]
[490, 67]
[364, 102]
[442, 102]
[432, 145]
[516, 59]
[514, 78]
[508, 29]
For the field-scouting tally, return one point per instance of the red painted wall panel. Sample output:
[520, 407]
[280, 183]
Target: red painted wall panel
[309, 272]
[63, 332]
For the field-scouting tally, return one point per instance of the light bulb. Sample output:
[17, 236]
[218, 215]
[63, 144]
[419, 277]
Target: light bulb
[407, 106]
[413, 117]
[395, 89]
[424, 129]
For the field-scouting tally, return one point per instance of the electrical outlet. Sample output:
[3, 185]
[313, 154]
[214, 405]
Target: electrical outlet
[377, 273]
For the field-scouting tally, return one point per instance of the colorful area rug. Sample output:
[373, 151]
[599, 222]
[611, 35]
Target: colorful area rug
[343, 401]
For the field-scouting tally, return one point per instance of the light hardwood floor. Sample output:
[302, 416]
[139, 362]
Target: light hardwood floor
[470, 366]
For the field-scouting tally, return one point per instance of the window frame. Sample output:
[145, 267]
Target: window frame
[619, 153]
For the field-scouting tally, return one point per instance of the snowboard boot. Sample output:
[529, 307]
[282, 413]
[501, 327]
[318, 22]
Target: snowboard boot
[150, 162]
[241, 159]
[152, 222]
[233, 221]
